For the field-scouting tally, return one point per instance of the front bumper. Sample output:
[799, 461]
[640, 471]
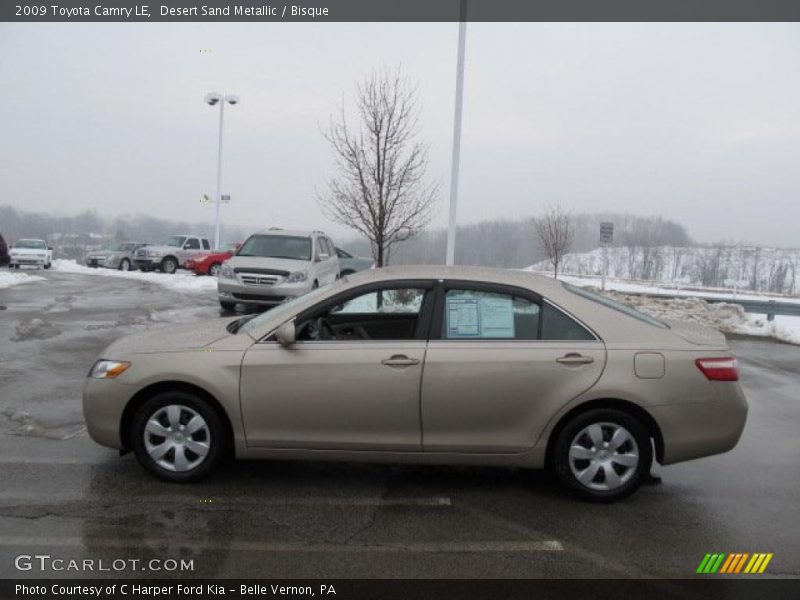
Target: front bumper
[104, 402]
[147, 264]
[33, 261]
[231, 290]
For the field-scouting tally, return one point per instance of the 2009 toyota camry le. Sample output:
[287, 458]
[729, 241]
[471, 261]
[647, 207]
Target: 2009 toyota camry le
[430, 365]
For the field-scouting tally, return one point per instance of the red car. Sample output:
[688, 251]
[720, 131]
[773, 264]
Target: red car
[209, 264]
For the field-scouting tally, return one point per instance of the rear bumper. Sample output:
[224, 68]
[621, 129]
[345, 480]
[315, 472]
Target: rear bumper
[705, 428]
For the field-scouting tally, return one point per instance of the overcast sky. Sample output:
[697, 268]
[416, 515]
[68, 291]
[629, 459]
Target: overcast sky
[696, 122]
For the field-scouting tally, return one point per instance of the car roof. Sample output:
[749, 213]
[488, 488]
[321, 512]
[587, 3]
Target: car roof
[288, 232]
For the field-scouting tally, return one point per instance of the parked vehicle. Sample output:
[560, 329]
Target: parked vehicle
[349, 264]
[30, 252]
[209, 264]
[437, 365]
[274, 265]
[4, 259]
[117, 256]
[172, 254]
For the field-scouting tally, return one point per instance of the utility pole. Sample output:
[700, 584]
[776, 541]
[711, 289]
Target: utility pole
[451, 225]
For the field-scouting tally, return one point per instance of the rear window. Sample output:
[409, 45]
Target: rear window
[613, 304]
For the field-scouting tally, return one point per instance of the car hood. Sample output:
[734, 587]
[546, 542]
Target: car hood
[172, 338]
[696, 333]
[277, 264]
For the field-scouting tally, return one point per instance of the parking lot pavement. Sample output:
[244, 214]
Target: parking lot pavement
[65, 496]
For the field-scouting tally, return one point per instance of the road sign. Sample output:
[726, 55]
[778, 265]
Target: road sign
[606, 232]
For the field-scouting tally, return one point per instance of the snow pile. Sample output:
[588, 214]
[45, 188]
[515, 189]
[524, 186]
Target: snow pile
[9, 278]
[727, 318]
[182, 281]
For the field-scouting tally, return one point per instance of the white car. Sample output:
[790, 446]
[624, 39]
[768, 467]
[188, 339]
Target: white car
[28, 252]
[275, 265]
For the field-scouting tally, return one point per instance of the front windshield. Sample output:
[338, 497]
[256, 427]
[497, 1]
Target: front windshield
[33, 244]
[282, 312]
[277, 246]
[176, 241]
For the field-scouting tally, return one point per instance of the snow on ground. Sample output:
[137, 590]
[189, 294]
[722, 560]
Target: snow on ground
[182, 281]
[9, 278]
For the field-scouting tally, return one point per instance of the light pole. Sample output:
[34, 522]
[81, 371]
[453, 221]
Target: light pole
[451, 224]
[211, 99]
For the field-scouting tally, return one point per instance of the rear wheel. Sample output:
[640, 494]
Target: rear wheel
[48, 265]
[177, 436]
[602, 455]
[169, 265]
[124, 265]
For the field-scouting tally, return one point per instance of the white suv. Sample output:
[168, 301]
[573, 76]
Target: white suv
[274, 265]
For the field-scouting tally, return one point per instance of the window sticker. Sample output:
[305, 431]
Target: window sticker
[463, 318]
[479, 316]
[497, 317]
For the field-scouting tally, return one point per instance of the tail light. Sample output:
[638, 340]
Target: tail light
[719, 369]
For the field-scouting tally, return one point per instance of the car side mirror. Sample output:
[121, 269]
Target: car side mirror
[286, 334]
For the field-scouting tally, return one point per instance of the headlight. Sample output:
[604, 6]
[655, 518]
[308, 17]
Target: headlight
[108, 369]
[296, 277]
[227, 272]
[154, 253]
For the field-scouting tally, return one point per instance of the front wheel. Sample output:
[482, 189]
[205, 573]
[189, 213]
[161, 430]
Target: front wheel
[48, 265]
[177, 436]
[169, 265]
[213, 270]
[227, 306]
[124, 265]
[602, 455]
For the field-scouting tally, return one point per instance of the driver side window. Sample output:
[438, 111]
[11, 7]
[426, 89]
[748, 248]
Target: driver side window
[390, 314]
[192, 244]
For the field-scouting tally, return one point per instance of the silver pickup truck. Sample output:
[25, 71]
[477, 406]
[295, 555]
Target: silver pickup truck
[172, 254]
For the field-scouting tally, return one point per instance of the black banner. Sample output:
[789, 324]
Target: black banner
[398, 10]
[403, 589]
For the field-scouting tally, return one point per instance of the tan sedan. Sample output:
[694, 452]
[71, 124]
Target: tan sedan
[434, 365]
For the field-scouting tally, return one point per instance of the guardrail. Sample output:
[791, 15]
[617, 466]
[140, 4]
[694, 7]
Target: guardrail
[762, 307]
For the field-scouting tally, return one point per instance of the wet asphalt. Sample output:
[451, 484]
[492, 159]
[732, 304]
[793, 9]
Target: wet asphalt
[64, 496]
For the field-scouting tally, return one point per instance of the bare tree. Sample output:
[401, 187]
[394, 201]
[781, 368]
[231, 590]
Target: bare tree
[379, 189]
[555, 231]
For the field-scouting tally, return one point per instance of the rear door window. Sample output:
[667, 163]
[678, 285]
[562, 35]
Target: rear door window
[475, 314]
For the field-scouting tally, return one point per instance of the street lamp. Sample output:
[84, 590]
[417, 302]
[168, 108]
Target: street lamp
[450, 257]
[213, 98]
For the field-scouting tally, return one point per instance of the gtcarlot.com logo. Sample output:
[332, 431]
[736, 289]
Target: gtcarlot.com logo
[737, 562]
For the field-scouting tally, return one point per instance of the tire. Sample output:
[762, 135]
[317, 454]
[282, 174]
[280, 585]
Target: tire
[168, 409]
[124, 265]
[346, 272]
[16, 266]
[315, 285]
[48, 265]
[229, 306]
[569, 462]
[213, 270]
[169, 265]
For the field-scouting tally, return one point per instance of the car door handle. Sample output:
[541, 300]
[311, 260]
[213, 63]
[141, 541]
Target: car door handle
[575, 359]
[399, 360]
